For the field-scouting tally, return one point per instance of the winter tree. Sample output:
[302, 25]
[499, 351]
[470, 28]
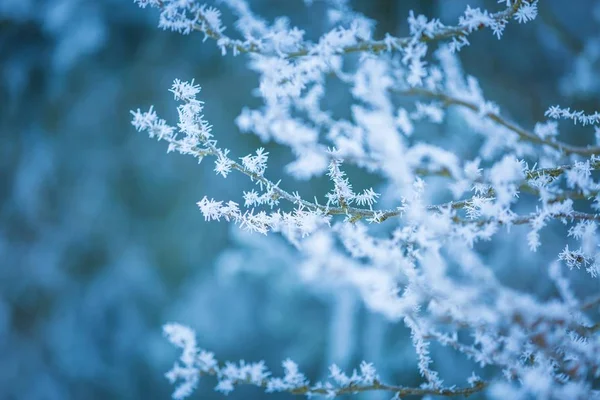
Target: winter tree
[411, 257]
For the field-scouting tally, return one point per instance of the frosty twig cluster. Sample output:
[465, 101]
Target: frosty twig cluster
[410, 258]
[196, 362]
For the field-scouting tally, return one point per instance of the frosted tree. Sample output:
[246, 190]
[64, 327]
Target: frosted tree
[411, 259]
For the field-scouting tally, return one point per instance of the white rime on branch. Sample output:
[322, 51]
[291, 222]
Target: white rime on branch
[410, 259]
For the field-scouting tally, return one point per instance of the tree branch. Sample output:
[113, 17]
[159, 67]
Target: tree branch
[372, 46]
[400, 391]
[521, 132]
[356, 213]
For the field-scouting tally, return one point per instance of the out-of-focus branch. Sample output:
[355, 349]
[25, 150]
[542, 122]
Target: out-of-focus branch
[591, 303]
[569, 40]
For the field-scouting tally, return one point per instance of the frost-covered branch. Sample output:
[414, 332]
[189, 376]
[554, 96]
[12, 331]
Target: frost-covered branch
[202, 145]
[524, 134]
[189, 15]
[422, 268]
[196, 363]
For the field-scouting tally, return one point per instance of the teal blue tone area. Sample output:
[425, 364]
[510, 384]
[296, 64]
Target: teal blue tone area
[100, 238]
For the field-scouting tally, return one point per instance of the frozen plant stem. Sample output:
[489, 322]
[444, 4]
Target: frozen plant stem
[379, 216]
[525, 135]
[422, 267]
[400, 391]
[205, 26]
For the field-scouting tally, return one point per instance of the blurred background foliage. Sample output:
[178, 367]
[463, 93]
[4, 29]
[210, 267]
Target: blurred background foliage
[100, 238]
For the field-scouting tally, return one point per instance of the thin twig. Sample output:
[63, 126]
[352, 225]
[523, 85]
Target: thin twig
[521, 132]
[591, 303]
[401, 391]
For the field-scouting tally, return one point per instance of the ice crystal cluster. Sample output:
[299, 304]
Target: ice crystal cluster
[410, 258]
